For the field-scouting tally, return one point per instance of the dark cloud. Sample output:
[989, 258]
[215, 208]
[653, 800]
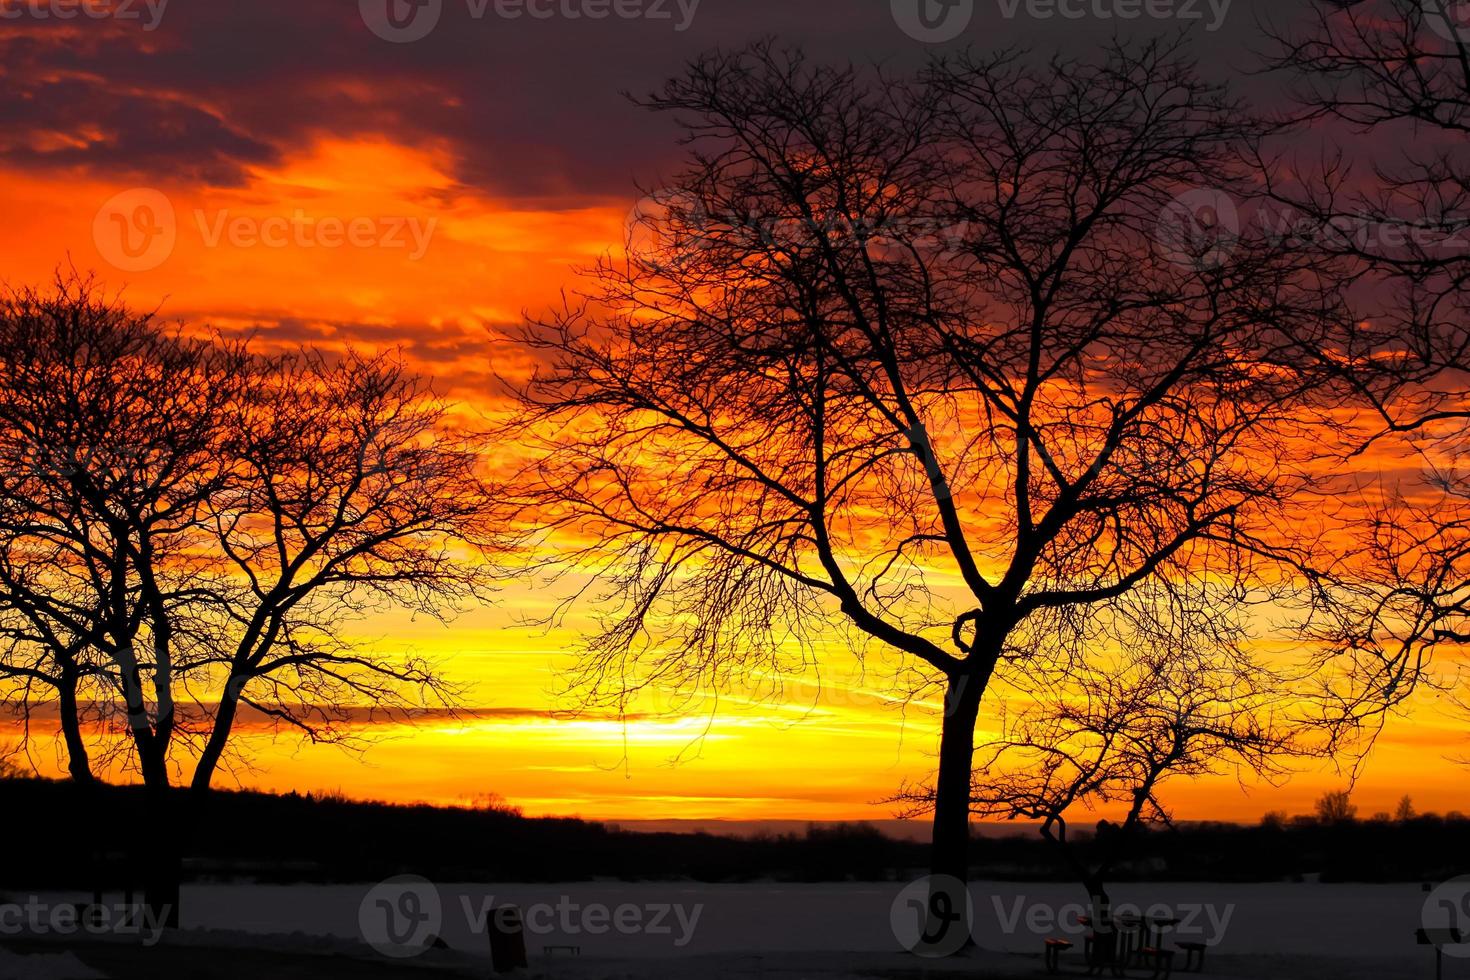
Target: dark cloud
[457, 360]
[79, 122]
[530, 108]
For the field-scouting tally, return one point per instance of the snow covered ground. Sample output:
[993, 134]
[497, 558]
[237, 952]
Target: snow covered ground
[583, 931]
[754, 918]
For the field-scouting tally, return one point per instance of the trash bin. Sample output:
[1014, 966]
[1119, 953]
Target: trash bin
[507, 938]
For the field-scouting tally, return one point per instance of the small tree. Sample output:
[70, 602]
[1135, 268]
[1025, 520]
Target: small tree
[1336, 807]
[1404, 812]
[1111, 730]
[47, 621]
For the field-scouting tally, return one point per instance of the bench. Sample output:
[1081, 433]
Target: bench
[1054, 950]
[561, 950]
[1194, 956]
[1162, 960]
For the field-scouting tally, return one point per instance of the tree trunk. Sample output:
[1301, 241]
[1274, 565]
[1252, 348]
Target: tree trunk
[1097, 896]
[219, 737]
[1103, 942]
[162, 858]
[78, 763]
[1104, 939]
[950, 853]
[1090, 880]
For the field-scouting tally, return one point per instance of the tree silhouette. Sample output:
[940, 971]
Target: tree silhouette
[106, 422]
[950, 361]
[1335, 807]
[352, 491]
[1394, 76]
[107, 432]
[187, 526]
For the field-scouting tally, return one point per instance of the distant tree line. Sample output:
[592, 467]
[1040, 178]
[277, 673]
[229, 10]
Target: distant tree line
[327, 838]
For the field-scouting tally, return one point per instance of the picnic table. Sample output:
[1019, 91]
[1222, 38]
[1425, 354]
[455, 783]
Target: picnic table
[1154, 927]
[1133, 939]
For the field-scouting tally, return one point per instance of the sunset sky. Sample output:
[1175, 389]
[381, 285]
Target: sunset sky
[423, 194]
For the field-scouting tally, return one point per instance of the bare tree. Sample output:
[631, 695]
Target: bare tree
[916, 357]
[215, 520]
[48, 658]
[353, 490]
[1335, 807]
[117, 419]
[1395, 76]
[106, 427]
